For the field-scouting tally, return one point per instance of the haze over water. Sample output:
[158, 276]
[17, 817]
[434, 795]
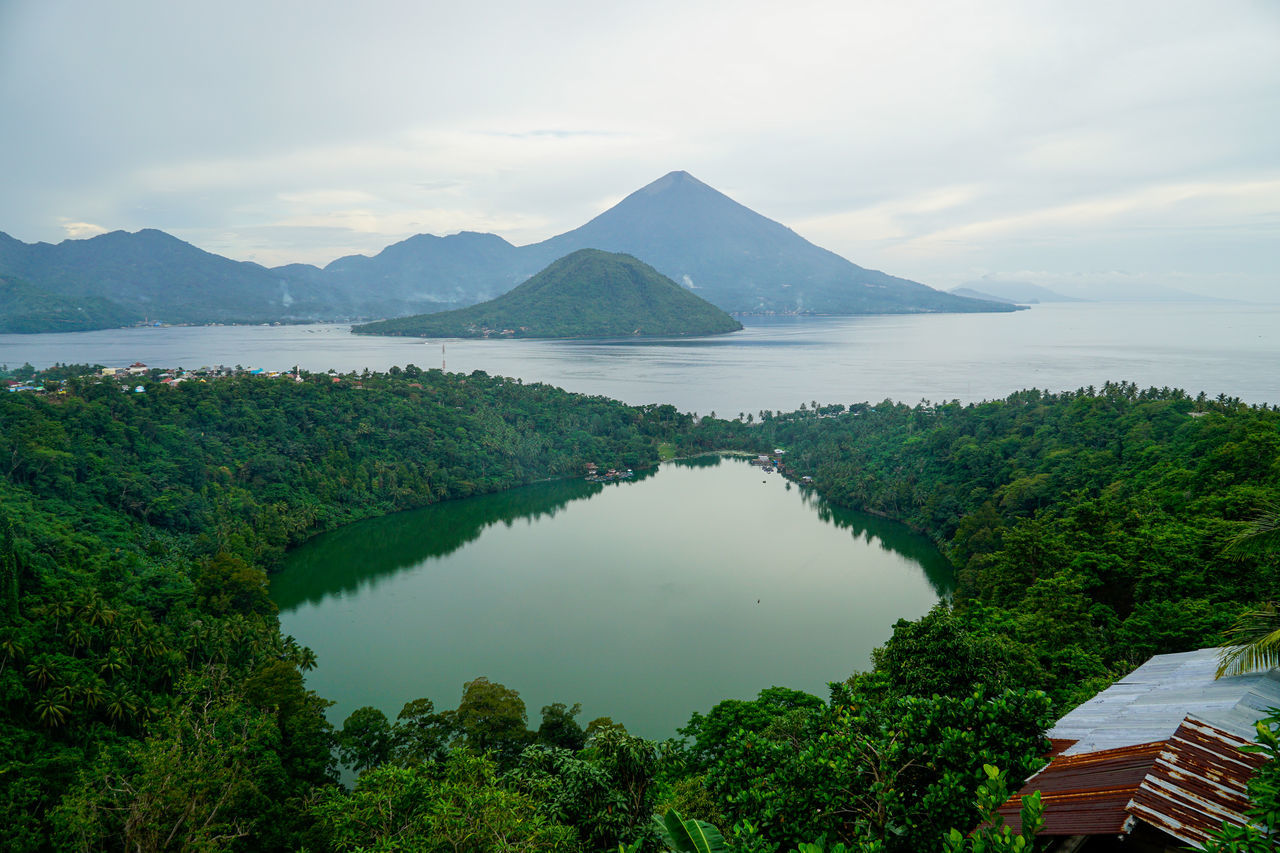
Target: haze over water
[775, 363]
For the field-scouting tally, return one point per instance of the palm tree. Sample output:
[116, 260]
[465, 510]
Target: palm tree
[51, 710]
[1253, 643]
[121, 704]
[1263, 538]
[12, 648]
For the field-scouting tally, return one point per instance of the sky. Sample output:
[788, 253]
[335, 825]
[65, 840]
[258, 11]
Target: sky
[1070, 144]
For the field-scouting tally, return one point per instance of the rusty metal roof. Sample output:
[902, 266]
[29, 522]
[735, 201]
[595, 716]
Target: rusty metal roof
[1160, 745]
[1086, 794]
[1199, 780]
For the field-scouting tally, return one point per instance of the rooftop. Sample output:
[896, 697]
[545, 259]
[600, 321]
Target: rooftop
[1150, 703]
[1160, 746]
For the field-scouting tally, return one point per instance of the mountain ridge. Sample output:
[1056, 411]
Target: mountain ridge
[735, 258]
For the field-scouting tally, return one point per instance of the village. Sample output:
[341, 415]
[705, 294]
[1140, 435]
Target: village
[768, 463]
[39, 383]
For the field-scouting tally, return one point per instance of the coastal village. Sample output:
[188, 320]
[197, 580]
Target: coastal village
[130, 376]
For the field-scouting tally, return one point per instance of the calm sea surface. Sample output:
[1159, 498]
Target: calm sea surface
[644, 601]
[778, 363]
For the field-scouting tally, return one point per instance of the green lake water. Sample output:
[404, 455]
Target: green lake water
[645, 601]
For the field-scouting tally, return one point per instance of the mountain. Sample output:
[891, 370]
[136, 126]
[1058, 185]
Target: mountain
[427, 273]
[731, 256]
[970, 293]
[121, 278]
[586, 294]
[728, 254]
[1021, 292]
[741, 261]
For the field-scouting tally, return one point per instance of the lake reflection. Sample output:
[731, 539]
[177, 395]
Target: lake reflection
[644, 601]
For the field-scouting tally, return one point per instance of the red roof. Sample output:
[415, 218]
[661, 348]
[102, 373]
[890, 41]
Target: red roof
[1185, 786]
[1200, 779]
[1086, 794]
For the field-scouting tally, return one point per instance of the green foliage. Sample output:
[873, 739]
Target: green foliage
[1252, 643]
[945, 654]
[209, 776]
[631, 766]
[491, 717]
[420, 734]
[457, 807]
[559, 728]
[575, 791]
[875, 768]
[712, 733]
[366, 739]
[992, 836]
[689, 836]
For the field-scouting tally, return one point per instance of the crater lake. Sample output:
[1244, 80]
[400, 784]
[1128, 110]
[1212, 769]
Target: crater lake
[644, 600]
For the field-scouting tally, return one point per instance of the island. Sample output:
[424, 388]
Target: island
[586, 294]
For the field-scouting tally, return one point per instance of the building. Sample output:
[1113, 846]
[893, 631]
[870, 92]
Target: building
[1153, 763]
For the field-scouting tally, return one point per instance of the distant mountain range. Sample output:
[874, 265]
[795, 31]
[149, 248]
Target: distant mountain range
[1013, 292]
[586, 294]
[1115, 290]
[729, 255]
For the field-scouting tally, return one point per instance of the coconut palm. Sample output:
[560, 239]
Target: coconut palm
[1253, 643]
[52, 711]
[1263, 538]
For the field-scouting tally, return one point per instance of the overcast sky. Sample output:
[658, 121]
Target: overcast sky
[1087, 142]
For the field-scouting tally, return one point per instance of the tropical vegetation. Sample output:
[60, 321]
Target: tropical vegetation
[151, 703]
[587, 294]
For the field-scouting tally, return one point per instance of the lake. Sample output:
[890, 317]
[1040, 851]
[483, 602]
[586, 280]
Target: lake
[645, 601]
[774, 363]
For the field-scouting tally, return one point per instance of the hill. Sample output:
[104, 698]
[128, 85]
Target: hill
[27, 308]
[587, 294]
[121, 278]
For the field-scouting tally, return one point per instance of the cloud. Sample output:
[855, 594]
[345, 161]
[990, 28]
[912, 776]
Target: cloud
[923, 139]
[1204, 204]
[81, 230]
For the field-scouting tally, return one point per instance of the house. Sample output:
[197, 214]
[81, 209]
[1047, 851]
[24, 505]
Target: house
[1153, 763]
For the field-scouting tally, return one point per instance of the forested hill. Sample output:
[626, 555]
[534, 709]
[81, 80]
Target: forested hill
[134, 530]
[587, 294]
[1088, 528]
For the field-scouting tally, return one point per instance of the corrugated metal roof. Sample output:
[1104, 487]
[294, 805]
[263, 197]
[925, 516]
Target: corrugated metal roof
[1161, 745]
[1086, 794]
[1199, 780]
[1149, 704]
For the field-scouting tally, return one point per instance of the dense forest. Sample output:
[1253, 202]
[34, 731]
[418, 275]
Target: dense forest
[150, 702]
